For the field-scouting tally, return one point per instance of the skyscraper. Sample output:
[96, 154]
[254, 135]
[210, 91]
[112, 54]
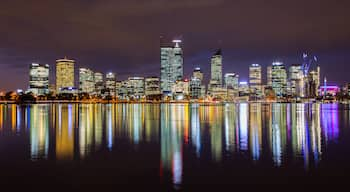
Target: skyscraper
[296, 78]
[255, 79]
[171, 70]
[86, 81]
[64, 73]
[39, 79]
[216, 70]
[110, 84]
[279, 79]
[98, 79]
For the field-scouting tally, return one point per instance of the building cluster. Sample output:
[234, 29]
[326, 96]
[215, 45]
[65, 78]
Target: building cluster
[297, 82]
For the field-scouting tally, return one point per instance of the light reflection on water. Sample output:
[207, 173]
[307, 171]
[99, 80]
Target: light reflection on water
[76, 131]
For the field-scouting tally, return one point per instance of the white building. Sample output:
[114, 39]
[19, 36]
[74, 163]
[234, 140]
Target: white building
[152, 86]
[110, 84]
[255, 82]
[232, 81]
[296, 79]
[181, 90]
[39, 79]
[86, 81]
[99, 85]
[171, 70]
[136, 87]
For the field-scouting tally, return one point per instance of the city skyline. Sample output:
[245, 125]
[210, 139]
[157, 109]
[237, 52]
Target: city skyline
[108, 42]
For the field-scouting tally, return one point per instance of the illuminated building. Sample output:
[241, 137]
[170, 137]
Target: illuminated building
[195, 88]
[86, 81]
[64, 73]
[312, 83]
[197, 73]
[136, 87]
[99, 85]
[39, 79]
[216, 70]
[231, 81]
[110, 84]
[243, 88]
[296, 79]
[330, 90]
[123, 90]
[181, 89]
[171, 70]
[269, 76]
[255, 79]
[152, 86]
[279, 79]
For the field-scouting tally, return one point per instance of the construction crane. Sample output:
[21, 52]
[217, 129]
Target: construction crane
[307, 62]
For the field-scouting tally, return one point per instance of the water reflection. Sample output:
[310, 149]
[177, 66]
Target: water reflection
[281, 132]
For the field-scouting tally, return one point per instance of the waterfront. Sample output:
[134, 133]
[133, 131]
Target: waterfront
[173, 146]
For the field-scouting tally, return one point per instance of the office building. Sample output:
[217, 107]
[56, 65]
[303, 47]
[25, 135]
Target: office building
[296, 81]
[216, 70]
[279, 79]
[39, 79]
[171, 70]
[136, 87]
[197, 73]
[110, 84]
[232, 81]
[195, 88]
[269, 76]
[86, 81]
[99, 85]
[152, 86]
[181, 90]
[255, 81]
[64, 73]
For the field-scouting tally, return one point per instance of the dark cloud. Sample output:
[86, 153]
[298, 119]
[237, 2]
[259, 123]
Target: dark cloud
[123, 36]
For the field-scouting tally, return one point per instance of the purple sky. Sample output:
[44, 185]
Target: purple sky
[123, 36]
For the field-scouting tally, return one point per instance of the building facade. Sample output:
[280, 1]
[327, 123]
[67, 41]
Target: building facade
[110, 84]
[255, 81]
[99, 84]
[64, 73]
[216, 70]
[279, 79]
[39, 79]
[152, 86]
[86, 81]
[171, 70]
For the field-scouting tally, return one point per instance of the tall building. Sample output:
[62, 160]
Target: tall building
[152, 86]
[279, 79]
[136, 87]
[269, 75]
[86, 81]
[231, 81]
[255, 82]
[64, 73]
[312, 83]
[296, 79]
[110, 84]
[171, 70]
[195, 88]
[39, 79]
[99, 85]
[216, 70]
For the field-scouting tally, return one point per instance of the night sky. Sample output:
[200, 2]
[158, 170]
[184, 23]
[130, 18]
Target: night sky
[123, 36]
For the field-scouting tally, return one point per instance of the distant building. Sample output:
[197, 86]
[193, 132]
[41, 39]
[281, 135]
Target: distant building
[64, 73]
[152, 87]
[296, 79]
[39, 79]
[255, 81]
[244, 88]
[171, 70]
[329, 90]
[279, 79]
[181, 90]
[216, 70]
[136, 87]
[110, 84]
[99, 85]
[197, 73]
[86, 81]
[232, 81]
[312, 83]
[269, 76]
[195, 88]
[123, 89]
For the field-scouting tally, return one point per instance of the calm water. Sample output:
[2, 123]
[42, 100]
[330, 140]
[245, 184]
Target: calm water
[173, 146]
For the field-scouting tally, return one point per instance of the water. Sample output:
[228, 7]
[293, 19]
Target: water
[172, 146]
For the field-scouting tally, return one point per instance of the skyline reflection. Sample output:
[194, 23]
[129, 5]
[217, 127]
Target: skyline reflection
[280, 132]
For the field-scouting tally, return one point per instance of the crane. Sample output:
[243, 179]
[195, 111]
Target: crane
[307, 62]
